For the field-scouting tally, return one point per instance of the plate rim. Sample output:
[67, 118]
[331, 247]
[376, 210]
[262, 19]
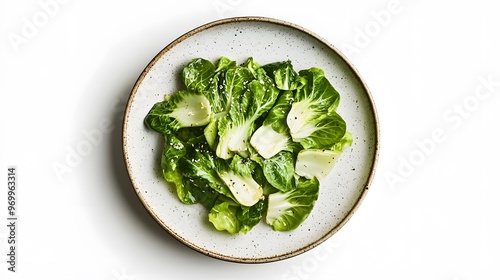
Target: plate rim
[266, 259]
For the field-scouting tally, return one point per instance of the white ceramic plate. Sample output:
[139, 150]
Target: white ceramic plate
[266, 40]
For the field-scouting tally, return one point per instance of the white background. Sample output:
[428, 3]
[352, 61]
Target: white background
[432, 213]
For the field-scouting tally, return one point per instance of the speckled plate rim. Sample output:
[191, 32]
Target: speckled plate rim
[209, 25]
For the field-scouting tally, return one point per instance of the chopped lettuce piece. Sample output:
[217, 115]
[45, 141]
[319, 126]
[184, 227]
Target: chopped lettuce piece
[235, 218]
[287, 210]
[274, 135]
[238, 178]
[236, 127]
[181, 109]
[312, 120]
[279, 170]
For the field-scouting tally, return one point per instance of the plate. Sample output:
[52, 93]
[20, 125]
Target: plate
[266, 40]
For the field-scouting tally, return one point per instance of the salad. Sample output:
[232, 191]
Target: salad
[250, 142]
